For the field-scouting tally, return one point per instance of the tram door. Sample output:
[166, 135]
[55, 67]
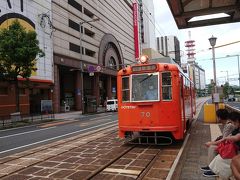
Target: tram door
[182, 101]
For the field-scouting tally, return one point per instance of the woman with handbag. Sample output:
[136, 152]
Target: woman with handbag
[228, 120]
[220, 165]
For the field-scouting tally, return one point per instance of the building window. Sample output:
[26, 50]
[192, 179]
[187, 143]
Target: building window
[89, 33]
[74, 47]
[3, 91]
[112, 63]
[88, 13]
[73, 25]
[75, 4]
[89, 52]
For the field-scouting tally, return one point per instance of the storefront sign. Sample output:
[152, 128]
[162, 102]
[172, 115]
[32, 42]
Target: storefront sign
[46, 106]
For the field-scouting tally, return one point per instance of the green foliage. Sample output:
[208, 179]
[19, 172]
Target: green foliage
[228, 90]
[18, 51]
[210, 88]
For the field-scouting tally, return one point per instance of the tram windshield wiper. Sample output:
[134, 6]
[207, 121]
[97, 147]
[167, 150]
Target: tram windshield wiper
[146, 78]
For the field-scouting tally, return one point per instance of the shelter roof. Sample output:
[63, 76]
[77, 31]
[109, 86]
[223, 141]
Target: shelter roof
[184, 10]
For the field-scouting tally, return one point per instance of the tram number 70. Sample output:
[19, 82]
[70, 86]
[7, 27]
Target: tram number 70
[145, 114]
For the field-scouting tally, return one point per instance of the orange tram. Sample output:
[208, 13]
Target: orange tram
[156, 103]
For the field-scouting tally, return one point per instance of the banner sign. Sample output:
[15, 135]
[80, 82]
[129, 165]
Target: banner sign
[135, 29]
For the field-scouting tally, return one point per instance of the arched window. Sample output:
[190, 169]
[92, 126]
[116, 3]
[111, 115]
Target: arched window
[112, 63]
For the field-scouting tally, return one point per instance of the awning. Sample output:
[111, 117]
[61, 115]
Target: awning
[186, 12]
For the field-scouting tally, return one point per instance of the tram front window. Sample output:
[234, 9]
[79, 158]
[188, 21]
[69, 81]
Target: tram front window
[145, 87]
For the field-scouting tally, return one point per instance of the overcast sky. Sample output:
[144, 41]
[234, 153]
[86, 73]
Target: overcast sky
[227, 33]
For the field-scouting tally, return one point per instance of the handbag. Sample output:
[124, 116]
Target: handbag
[227, 149]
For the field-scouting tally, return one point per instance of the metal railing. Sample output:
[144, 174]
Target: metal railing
[24, 119]
[231, 109]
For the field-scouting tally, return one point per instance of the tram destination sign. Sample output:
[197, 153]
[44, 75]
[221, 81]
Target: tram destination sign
[151, 67]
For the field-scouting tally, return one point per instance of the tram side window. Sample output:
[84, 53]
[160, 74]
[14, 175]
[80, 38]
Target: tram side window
[125, 89]
[166, 86]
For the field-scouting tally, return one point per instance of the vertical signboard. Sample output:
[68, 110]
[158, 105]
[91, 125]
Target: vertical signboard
[135, 28]
[46, 106]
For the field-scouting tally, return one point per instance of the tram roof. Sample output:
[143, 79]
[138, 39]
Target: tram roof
[173, 67]
[184, 11]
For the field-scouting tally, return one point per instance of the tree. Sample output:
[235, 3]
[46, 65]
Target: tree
[210, 88]
[18, 51]
[226, 89]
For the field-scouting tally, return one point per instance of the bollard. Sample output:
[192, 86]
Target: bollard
[209, 113]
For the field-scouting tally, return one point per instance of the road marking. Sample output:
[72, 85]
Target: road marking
[101, 117]
[124, 171]
[56, 123]
[92, 122]
[46, 140]
[25, 133]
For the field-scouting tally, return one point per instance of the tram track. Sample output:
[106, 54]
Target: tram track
[98, 154]
[161, 165]
[61, 146]
[111, 158]
[139, 162]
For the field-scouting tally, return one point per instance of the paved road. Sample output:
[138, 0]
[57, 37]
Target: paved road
[235, 105]
[20, 139]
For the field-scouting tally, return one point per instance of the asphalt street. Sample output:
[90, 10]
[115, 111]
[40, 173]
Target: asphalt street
[20, 139]
[235, 104]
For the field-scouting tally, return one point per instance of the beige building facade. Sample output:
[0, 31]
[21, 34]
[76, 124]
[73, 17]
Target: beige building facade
[92, 40]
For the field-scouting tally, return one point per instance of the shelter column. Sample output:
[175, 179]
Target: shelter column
[109, 87]
[96, 90]
[56, 90]
[78, 96]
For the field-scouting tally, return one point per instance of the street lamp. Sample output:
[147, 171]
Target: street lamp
[238, 67]
[212, 41]
[227, 75]
[81, 53]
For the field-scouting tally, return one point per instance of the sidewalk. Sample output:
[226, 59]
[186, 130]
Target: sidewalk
[76, 114]
[195, 154]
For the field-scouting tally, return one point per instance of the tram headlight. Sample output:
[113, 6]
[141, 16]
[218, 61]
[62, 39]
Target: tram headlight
[166, 66]
[144, 59]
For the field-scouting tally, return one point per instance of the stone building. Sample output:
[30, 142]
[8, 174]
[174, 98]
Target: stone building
[34, 16]
[85, 44]
[92, 40]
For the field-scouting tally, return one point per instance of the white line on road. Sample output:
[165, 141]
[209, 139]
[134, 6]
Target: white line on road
[46, 140]
[101, 117]
[26, 132]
